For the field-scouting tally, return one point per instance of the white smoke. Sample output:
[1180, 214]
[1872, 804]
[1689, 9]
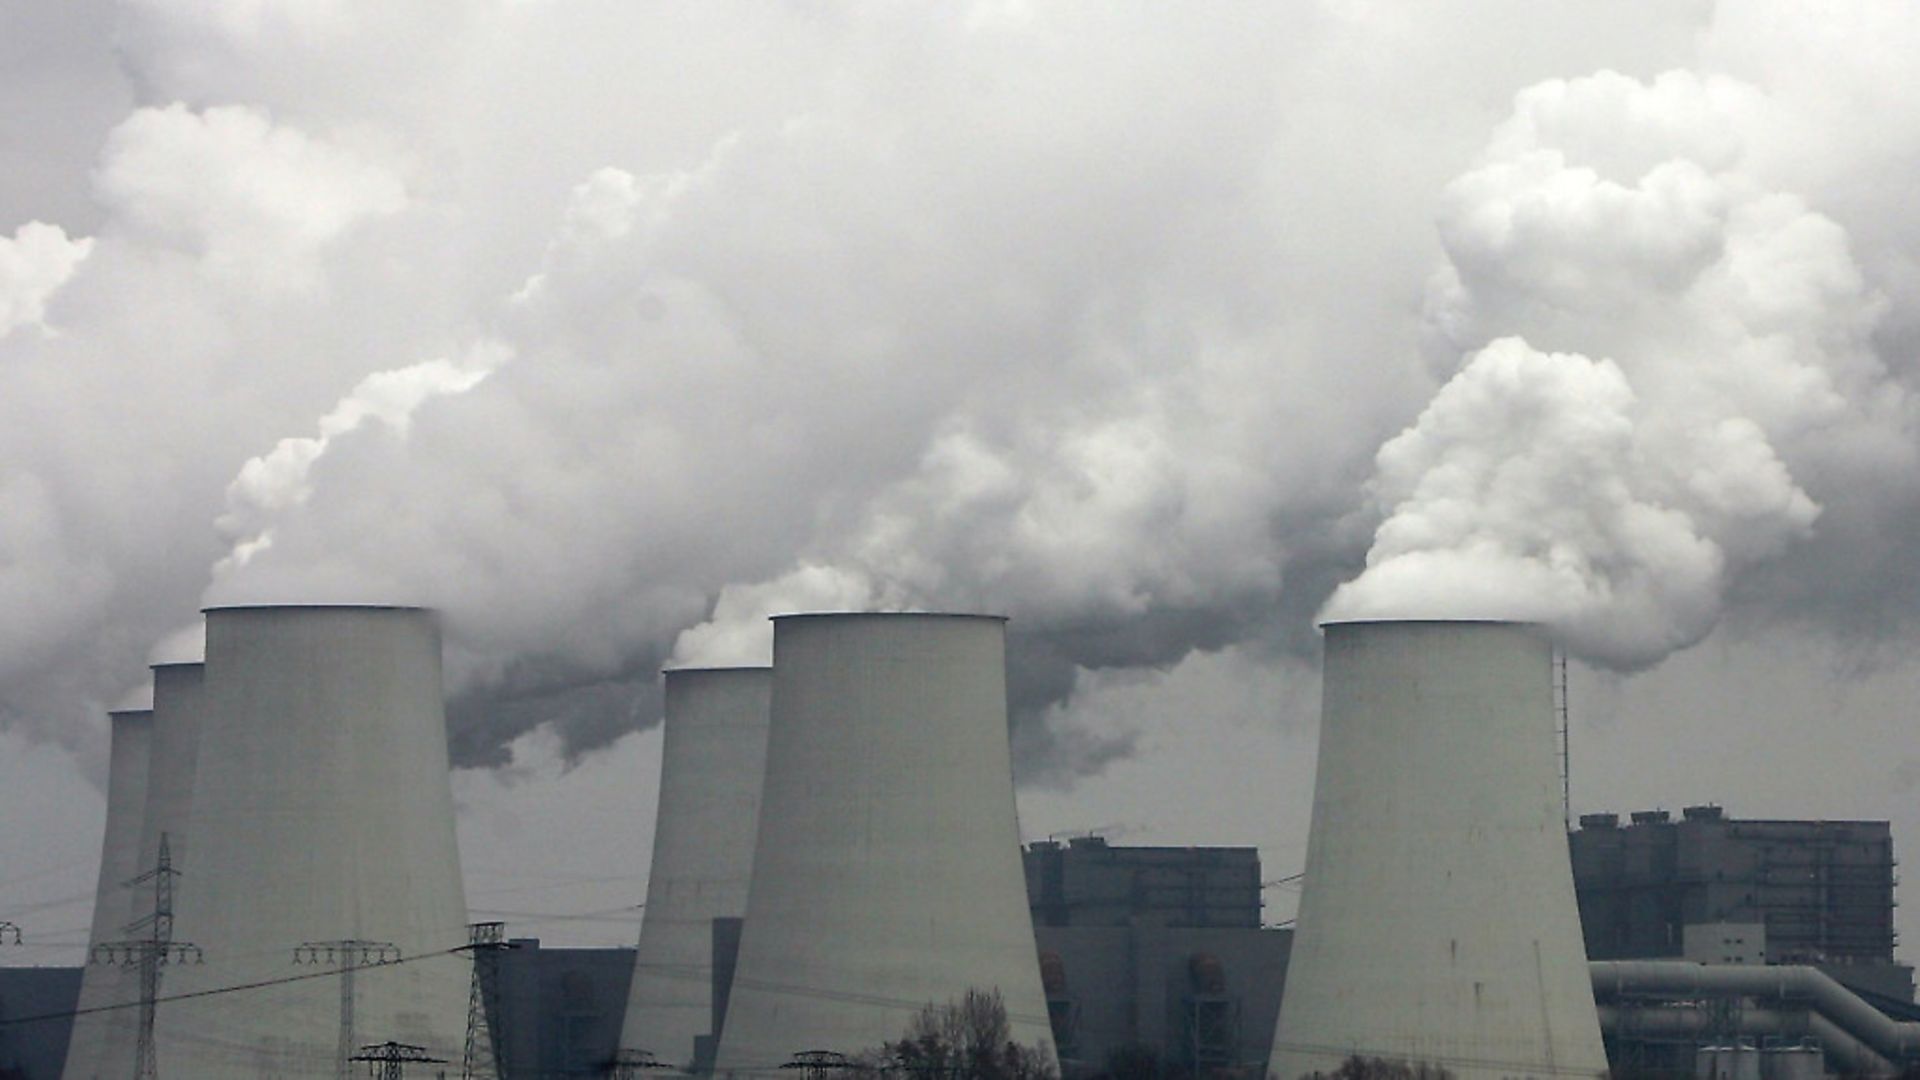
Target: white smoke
[254, 202]
[34, 263]
[1712, 375]
[279, 481]
[1095, 317]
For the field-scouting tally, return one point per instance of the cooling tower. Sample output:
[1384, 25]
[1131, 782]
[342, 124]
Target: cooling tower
[321, 831]
[1437, 920]
[178, 701]
[886, 873]
[114, 904]
[173, 741]
[713, 757]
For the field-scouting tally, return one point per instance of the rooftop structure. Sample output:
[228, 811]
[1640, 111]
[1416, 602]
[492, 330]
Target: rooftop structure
[1087, 882]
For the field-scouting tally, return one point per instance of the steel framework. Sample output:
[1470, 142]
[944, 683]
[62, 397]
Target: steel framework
[394, 1057]
[486, 940]
[350, 954]
[151, 953]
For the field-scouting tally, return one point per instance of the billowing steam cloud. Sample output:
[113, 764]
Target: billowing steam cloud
[610, 331]
[1712, 377]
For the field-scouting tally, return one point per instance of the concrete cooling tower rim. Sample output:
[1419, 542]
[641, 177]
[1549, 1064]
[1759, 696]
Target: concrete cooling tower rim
[887, 615]
[171, 664]
[312, 607]
[1524, 623]
[115, 714]
[717, 670]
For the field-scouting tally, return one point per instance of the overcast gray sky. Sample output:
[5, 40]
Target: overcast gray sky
[609, 329]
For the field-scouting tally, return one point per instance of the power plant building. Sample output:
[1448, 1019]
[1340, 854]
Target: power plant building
[713, 757]
[1437, 919]
[1155, 955]
[321, 844]
[1706, 886]
[886, 873]
[559, 1010]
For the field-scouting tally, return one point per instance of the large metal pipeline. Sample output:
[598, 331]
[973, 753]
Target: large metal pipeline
[1852, 1055]
[1837, 1015]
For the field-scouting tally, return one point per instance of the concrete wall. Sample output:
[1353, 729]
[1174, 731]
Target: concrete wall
[886, 874]
[1087, 882]
[322, 811]
[102, 1042]
[560, 1009]
[1135, 985]
[1824, 889]
[36, 1051]
[711, 765]
[1437, 919]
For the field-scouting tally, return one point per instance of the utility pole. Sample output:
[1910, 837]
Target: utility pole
[351, 954]
[394, 1057]
[152, 952]
[633, 1064]
[486, 940]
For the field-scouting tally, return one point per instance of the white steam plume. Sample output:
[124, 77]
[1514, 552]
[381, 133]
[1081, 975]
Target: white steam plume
[1095, 316]
[34, 263]
[1691, 370]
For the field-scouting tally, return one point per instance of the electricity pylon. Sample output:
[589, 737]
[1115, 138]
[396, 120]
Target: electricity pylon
[9, 933]
[486, 940]
[819, 1064]
[351, 955]
[394, 1057]
[152, 952]
[633, 1064]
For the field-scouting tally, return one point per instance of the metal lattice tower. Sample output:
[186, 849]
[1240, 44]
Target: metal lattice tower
[819, 1064]
[486, 940]
[633, 1064]
[351, 955]
[151, 952]
[394, 1057]
[9, 933]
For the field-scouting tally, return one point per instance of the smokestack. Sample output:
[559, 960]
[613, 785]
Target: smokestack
[89, 1050]
[712, 761]
[322, 813]
[1437, 920]
[886, 874]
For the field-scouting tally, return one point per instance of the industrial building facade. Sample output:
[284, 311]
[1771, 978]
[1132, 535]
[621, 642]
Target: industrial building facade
[1157, 953]
[1713, 888]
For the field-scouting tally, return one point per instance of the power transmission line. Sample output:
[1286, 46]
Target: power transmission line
[350, 954]
[151, 953]
[394, 1057]
[259, 984]
[486, 941]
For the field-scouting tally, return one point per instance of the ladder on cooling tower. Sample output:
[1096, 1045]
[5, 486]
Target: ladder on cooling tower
[1563, 726]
